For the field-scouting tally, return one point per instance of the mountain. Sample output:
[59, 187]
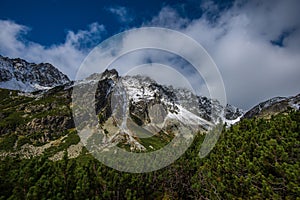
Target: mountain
[134, 112]
[43, 157]
[274, 106]
[18, 74]
[152, 109]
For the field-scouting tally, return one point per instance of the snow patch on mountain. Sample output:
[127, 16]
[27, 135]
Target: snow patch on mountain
[188, 118]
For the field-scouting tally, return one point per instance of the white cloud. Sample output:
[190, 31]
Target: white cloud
[67, 56]
[169, 18]
[122, 13]
[151, 69]
[10, 34]
[160, 65]
[239, 41]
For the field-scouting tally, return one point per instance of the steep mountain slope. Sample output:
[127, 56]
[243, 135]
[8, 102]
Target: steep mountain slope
[274, 106]
[254, 159]
[30, 122]
[18, 74]
[133, 108]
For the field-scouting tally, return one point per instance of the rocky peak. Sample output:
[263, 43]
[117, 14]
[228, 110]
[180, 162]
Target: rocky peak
[107, 74]
[18, 74]
[143, 93]
[110, 74]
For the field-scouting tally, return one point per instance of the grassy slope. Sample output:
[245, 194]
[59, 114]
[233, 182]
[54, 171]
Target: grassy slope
[255, 159]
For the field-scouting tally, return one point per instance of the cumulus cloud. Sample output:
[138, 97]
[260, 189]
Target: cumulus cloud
[255, 44]
[121, 13]
[67, 56]
[168, 18]
[10, 42]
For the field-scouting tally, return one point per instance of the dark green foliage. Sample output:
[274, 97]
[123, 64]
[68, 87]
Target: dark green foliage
[8, 142]
[136, 119]
[10, 110]
[255, 159]
[72, 138]
[156, 141]
[101, 118]
[17, 111]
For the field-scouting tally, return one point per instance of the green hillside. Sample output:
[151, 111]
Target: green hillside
[254, 159]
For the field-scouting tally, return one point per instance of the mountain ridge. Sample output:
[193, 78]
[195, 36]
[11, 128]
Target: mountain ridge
[18, 74]
[273, 106]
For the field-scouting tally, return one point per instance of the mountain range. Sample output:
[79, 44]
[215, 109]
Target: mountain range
[37, 101]
[43, 155]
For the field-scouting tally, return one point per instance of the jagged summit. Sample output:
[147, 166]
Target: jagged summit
[142, 90]
[108, 73]
[18, 74]
[132, 106]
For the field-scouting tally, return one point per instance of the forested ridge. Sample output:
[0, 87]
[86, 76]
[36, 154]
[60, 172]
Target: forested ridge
[254, 159]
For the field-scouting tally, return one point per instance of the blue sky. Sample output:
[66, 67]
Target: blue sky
[50, 20]
[255, 44]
